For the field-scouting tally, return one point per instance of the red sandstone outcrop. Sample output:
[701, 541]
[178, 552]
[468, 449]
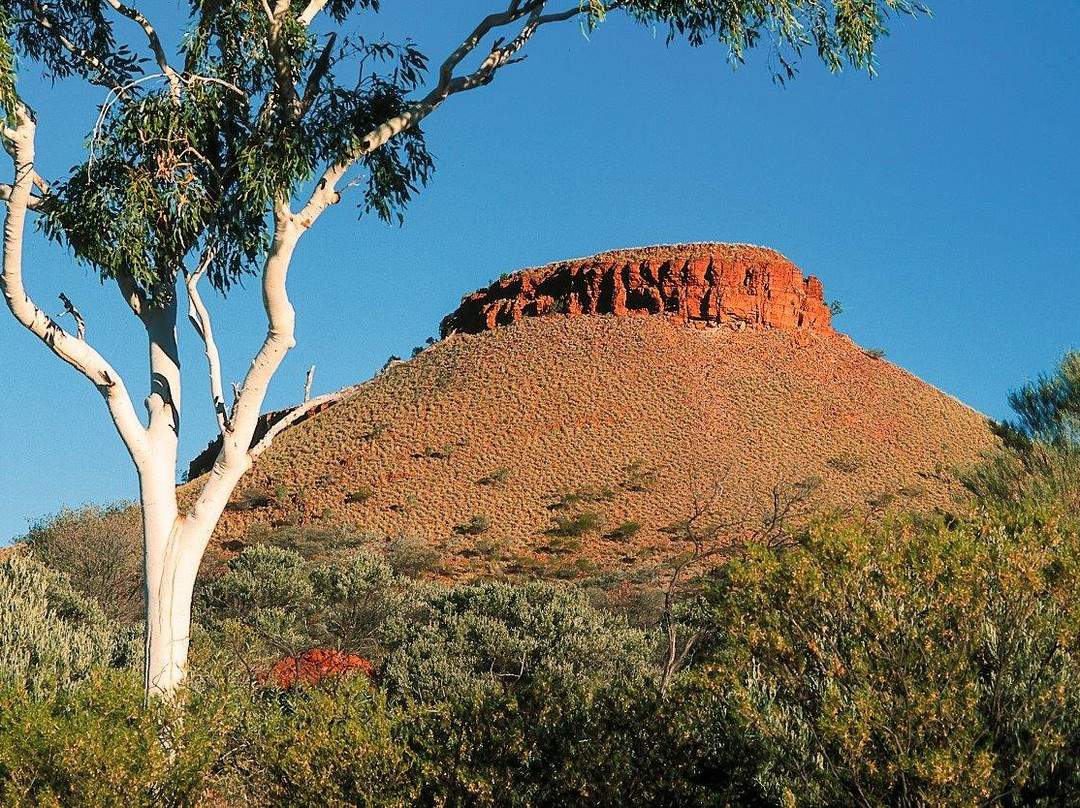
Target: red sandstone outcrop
[706, 283]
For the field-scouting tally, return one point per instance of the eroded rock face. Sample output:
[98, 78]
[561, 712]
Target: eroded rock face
[735, 284]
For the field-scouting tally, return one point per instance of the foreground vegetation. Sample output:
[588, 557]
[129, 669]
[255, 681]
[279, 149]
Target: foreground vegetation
[912, 661]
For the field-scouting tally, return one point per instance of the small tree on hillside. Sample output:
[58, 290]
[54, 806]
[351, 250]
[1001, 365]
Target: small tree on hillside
[1040, 458]
[212, 161]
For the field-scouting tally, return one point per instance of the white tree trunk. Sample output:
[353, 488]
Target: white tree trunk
[174, 542]
[169, 583]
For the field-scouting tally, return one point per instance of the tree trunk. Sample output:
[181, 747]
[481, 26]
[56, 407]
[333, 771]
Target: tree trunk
[169, 577]
[170, 581]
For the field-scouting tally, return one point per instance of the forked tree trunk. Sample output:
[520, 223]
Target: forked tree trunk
[169, 587]
[174, 545]
[174, 542]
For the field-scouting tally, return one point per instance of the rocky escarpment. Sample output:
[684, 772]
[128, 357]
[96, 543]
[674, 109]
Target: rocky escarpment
[734, 284]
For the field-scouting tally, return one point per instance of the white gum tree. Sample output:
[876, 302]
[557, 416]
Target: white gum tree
[214, 159]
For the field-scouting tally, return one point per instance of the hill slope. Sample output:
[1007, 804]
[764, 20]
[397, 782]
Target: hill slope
[627, 418]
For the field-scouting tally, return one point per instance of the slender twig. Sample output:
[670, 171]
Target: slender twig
[153, 40]
[69, 308]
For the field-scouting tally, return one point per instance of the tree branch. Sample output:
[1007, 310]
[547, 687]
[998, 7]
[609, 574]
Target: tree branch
[297, 414]
[133, 295]
[235, 457]
[326, 193]
[318, 72]
[32, 202]
[69, 308]
[108, 77]
[286, 89]
[200, 319]
[312, 10]
[152, 39]
[72, 350]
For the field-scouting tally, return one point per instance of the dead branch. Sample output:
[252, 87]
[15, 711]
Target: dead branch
[69, 308]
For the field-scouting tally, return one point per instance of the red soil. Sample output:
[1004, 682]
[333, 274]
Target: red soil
[627, 418]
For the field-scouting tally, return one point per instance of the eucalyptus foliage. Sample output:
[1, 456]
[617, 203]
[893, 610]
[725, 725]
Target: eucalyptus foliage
[1037, 469]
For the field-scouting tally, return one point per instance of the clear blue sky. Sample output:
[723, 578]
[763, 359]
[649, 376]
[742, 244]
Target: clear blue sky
[938, 202]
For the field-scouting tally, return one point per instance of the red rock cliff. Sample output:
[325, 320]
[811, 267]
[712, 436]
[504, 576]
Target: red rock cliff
[717, 283]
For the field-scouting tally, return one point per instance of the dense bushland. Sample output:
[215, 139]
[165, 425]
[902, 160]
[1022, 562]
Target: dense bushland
[910, 661]
[918, 662]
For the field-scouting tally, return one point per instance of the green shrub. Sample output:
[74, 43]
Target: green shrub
[495, 477]
[568, 500]
[355, 600]
[271, 602]
[437, 452]
[50, 635]
[1036, 474]
[639, 477]
[360, 495]
[493, 635]
[624, 532]
[336, 746]
[95, 744]
[555, 741]
[319, 543]
[846, 462]
[574, 526]
[476, 525]
[412, 555]
[251, 499]
[911, 664]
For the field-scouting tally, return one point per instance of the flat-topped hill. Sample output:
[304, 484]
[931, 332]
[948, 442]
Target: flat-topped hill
[485, 442]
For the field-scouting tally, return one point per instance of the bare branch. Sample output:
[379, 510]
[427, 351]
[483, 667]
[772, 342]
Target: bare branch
[69, 308]
[200, 320]
[72, 350]
[309, 13]
[308, 379]
[501, 54]
[297, 414]
[152, 39]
